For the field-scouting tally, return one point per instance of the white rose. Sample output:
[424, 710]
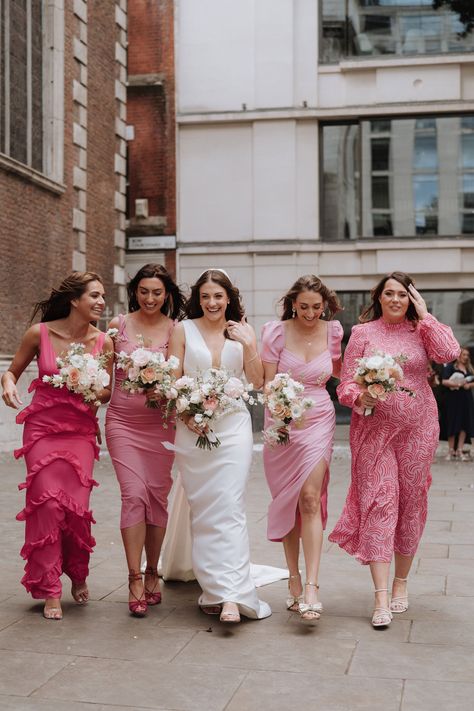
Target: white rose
[198, 418]
[133, 374]
[195, 397]
[173, 362]
[103, 378]
[184, 382]
[182, 404]
[374, 362]
[234, 387]
[140, 357]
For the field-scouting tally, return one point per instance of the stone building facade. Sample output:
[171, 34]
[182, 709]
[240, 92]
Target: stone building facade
[62, 150]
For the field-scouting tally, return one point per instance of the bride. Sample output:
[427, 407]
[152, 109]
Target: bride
[216, 335]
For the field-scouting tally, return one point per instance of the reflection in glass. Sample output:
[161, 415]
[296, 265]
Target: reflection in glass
[467, 150]
[426, 153]
[340, 182]
[380, 153]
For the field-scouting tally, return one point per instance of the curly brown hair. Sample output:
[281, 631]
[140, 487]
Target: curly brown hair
[374, 310]
[174, 302]
[234, 311]
[58, 303]
[310, 282]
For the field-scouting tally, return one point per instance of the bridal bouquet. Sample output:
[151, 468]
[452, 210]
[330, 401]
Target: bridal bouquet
[380, 374]
[284, 399]
[147, 370]
[207, 397]
[81, 373]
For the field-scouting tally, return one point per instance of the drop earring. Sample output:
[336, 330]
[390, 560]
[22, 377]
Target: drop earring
[293, 313]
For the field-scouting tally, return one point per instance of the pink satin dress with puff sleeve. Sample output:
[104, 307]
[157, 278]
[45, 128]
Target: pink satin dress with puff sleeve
[288, 466]
[135, 435]
[59, 446]
[392, 449]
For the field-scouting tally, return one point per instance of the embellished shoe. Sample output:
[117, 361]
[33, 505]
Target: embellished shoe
[138, 607]
[153, 596]
[293, 601]
[382, 616]
[229, 617]
[310, 612]
[400, 604]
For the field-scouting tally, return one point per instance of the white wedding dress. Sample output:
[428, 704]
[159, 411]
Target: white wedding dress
[214, 482]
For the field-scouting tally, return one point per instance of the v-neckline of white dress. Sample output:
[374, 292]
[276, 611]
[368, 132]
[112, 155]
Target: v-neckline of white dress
[218, 367]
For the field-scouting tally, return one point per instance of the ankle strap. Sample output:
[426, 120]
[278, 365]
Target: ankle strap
[314, 585]
[381, 590]
[133, 575]
[292, 577]
[402, 580]
[151, 571]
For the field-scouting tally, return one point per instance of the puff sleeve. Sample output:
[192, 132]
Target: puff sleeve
[273, 341]
[335, 335]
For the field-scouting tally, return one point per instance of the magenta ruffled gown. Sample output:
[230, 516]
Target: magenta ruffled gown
[135, 435]
[59, 446]
[288, 466]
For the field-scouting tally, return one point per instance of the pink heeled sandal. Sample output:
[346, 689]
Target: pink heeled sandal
[138, 607]
[153, 597]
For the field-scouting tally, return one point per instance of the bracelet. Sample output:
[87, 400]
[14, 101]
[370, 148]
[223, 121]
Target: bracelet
[251, 359]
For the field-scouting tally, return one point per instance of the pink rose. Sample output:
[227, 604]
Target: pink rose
[148, 375]
[73, 377]
[210, 403]
[234, 387]
[377, 391]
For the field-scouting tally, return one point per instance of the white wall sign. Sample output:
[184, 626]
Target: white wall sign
[152, 242]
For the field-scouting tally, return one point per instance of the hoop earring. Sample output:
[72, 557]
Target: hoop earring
[293, 313]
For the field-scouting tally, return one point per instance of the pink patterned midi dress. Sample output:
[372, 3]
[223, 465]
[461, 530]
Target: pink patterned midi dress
[288, 466]
[59, 446]
[392, 449]
[135, 436]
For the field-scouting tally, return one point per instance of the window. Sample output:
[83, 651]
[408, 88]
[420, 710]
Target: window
[402, 177]
[21, 102]
[378, 28]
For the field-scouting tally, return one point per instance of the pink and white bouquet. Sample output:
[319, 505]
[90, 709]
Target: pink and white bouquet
[380, 374]
[80, 372]
[146, 370]
[284, 399]
[207, 398]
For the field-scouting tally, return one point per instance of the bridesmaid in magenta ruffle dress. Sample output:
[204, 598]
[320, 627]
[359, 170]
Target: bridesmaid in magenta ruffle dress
[59, 444]
[135, 433]
[392, 449]
[309, 349]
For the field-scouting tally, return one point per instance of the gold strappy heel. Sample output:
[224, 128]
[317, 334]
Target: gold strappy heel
[293, 601]
[310, 612]
[400, 604]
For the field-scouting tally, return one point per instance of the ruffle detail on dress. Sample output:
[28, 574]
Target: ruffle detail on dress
[52, 537]
[46, 581]
[61, 396]
[63, 499]
[58, 429]
[54, 456]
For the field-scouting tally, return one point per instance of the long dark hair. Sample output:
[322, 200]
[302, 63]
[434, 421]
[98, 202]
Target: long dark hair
[374, 310]
[173, 306]
[234, 311]
[310, 282]
[58, 304]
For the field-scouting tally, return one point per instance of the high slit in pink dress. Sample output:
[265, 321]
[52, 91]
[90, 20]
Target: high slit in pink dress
[59, 446]
[135, 436]
[288, 466]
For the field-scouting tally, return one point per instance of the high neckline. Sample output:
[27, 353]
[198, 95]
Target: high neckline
[393, 326]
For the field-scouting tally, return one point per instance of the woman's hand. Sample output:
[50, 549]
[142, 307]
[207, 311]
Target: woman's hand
[151, 395]
[10, 396]
[192, 425]
[366, 401]
[418, 302]
[240, 331]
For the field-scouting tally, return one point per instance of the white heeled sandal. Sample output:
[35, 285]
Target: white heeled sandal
[382, 616]
[400, 604]
[293, 601]
[310, 612]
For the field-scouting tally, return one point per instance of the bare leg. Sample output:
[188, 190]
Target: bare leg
[312, 528]
[291, 546]
[134, 542]
[451, 447]
[380, 572]
[461, 440]
[153, 542]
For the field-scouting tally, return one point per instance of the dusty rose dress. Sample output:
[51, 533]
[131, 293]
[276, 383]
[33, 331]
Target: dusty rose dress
[288, 466]
[59, 446]
[135, 436]
[392, 450]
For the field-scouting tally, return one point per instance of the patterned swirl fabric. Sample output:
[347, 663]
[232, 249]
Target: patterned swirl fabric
[287, 467]
[392, 449]
[59, 446]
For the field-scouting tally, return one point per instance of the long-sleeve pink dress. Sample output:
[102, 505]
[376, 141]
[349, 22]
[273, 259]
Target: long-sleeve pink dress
[59, 446]
[392, 449]
[288, 466]
[135, 436]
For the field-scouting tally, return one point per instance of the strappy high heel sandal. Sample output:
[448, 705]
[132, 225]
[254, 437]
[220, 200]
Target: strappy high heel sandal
[153, 597]
[399, 603]
[137, 607]
[293, 601]
[382, 616]
[310, 612]
[53, 613]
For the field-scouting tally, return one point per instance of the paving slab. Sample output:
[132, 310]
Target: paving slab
[21, 673]
[449, 696]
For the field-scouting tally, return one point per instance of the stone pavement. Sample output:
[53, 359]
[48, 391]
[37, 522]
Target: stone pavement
[99, 658]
